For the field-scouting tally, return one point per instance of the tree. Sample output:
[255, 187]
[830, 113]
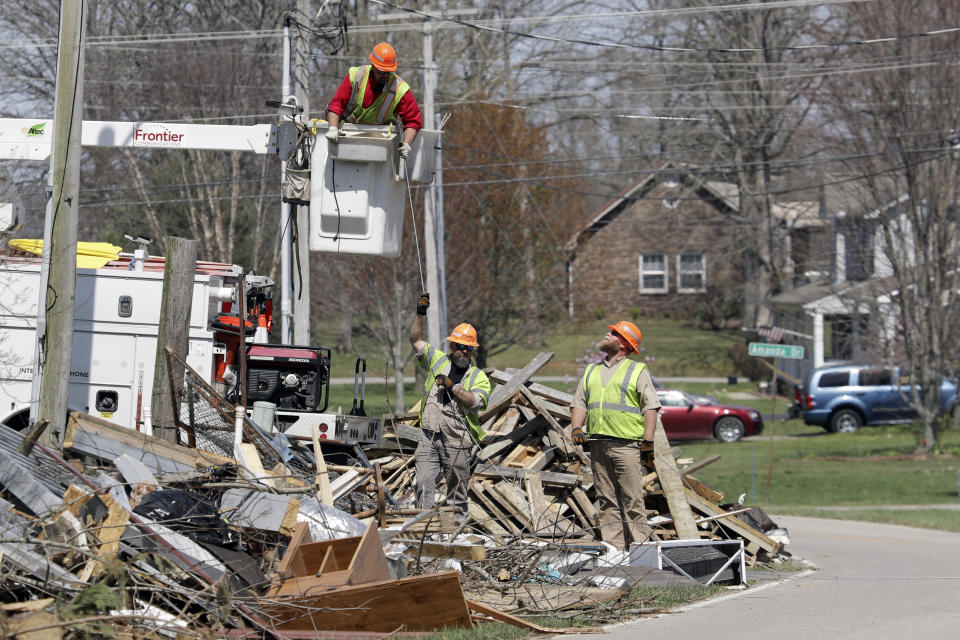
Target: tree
[892, 125]
[140, 68]
[755, 103]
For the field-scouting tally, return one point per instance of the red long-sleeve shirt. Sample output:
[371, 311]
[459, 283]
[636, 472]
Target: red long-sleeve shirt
[408, 110]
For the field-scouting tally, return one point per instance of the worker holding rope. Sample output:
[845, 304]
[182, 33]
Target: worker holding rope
[455, 394]
[375, 94]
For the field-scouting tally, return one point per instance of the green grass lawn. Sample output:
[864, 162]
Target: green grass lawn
[670, 347]
[814, 469]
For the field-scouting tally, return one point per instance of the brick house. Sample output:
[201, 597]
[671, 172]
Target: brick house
[664, 245]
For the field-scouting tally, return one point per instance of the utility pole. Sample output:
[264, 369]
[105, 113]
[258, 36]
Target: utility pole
[286, 222]
[301, 297]
[433, 244]
[58, 280]
[173, 331]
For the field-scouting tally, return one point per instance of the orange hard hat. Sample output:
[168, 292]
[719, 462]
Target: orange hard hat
[384, 57]
[629, 332]
[464, 333]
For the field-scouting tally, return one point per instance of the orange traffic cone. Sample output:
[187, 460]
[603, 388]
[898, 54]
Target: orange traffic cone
[260, 336]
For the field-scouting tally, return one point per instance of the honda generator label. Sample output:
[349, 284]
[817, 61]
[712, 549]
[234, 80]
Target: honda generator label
[156, 135]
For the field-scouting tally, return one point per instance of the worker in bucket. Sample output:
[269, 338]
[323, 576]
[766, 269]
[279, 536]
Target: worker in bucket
[374, 94]
[455, 394]
[617, 401]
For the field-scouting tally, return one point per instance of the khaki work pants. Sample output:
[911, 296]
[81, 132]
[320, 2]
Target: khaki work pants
[436, 458]
[618, 478]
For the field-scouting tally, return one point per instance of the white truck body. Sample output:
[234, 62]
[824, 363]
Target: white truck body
[114, 340]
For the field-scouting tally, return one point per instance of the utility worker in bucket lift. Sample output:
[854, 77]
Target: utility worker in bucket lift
[455, 394]
[374, 94]
[619, 404]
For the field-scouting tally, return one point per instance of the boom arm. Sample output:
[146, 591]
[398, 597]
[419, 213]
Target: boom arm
[22, 139]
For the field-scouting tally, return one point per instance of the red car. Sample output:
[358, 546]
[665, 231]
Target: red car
[685, 419]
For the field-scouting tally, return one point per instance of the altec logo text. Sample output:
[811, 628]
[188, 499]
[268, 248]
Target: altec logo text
[35, 130]
[160, 137]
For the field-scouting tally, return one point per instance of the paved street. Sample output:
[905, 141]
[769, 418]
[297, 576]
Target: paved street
[874, 582]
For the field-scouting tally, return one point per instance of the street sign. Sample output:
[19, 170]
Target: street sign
[764, 350]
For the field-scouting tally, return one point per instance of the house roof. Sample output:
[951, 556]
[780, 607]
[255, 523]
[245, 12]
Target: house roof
[835, 298]
[725, 192]
[795, 215]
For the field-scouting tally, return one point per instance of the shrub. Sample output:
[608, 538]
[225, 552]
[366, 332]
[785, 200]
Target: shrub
[747, 365]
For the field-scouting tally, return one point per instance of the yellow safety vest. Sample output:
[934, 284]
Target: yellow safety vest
[614, 410]
[383, 109]
[474, 381]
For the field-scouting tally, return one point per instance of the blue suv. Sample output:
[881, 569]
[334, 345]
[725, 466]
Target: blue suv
[846, 397]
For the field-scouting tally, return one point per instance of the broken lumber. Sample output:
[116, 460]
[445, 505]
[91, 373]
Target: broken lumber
[501, 395]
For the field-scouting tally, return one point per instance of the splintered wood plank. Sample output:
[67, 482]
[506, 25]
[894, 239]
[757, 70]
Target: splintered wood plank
[485, 520]
[568, 447]
[324, 493]
[578, 513]
[512, 503]
[502, 394]
[523, 454]
[737, 526]
[536, 499]
[553, 526]
[481, 491]
[507, 442]
[705, 492]
[105, 440]
[419, 603]
[670, 481]
[553, 395]
[698, 465]
[586, 505]
[250, 463]
[292, 561]
[549, 478]
[458, 550]
[505, 423]
[525, 624]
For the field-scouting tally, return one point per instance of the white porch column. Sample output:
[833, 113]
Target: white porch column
[817, 339]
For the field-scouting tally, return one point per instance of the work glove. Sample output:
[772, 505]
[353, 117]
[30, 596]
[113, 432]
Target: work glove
[444, 381]
[646, 452]
[404, 150]
[579, 436]
[333, 134]
[422, 303]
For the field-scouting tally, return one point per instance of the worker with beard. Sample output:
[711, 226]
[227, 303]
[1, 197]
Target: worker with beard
[455, 393]
[619, 404]
[374, 94]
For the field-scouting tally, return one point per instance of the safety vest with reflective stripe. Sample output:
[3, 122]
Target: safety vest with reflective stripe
[614, 410]
[383, 109]
[474, 381]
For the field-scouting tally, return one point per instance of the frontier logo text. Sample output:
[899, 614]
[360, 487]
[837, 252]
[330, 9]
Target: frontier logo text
[158, 137]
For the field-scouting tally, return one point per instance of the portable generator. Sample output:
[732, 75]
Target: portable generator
[291, 377]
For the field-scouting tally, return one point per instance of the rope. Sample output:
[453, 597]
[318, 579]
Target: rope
[416, 237]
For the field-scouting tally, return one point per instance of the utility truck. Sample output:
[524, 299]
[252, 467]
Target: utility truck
[115, 341]
[357, 194]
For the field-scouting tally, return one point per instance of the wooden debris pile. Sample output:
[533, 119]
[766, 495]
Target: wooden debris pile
[532, 482]
[244, 532]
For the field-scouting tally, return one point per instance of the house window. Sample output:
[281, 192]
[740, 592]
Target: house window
[653, 273]
[691, 273]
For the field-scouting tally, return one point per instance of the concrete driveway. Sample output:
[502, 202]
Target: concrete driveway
[874, 582]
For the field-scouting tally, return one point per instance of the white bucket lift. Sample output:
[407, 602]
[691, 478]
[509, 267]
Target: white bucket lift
[358, 192]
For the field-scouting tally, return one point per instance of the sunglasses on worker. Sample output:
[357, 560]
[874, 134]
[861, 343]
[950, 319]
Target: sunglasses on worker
[462, 347]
